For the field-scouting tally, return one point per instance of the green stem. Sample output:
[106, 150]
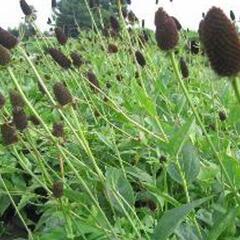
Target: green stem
[198, 119]
[235, 88]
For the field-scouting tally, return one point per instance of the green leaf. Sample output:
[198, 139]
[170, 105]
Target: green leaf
[58, 233]
[220, 226]
[180, 136]
[145, 101]
[232, 167]
[170, 219]
[116, 182]
[189, 163]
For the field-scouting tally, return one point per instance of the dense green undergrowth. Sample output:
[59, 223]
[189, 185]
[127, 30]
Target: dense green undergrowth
[135, 160]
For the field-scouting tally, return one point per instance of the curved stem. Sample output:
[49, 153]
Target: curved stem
[235, 88]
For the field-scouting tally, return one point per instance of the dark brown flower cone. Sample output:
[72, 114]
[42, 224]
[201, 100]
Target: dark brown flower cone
[57, 189]
[92, 78]
[194, 47]
[166, 30]
[112, 48]
[119, 77]
[2, 101]
[62, 94]
[124, 12]
[9, 134]
[222, 116]
[143, 37]
[5, 56]
[16, 99]
[77, 59]
[232, 15]
[114, 24]
[184, 68]
[221, 43]
[7, 39]
[132, 17]
[93, 3]
[140, 58]
[54, 3]
[34, 120]
[61, 36]
[25, 8]
[58, 130]
[59, 58]
[20, 119]
[178, 24]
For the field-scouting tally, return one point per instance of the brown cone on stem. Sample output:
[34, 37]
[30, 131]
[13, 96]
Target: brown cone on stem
[221, 42]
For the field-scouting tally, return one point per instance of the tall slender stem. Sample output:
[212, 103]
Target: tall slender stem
[198, 119]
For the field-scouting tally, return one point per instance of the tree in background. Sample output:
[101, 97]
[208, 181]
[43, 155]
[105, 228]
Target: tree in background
[73, 14]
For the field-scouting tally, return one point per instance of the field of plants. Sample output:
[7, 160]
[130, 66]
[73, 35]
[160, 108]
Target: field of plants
[121, 133]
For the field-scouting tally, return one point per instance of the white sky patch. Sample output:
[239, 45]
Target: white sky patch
[11, 14]
[188, 12]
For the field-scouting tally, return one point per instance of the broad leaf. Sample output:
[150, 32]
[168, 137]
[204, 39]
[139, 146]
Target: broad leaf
[170, 219]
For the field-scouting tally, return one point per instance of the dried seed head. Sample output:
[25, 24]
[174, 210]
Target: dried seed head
[2, 101]
[232, 15]
[112, 48]
[57, 189]
[9, 134]
[140, 58]
[7, 39]
[25, 8]
[77, 59]
[221, 43]
[59, 58]
[222, 116]
[5, 56]
[62, 95]
[61, 36]
[94, 81]
[58, 130]
[114, 24]
[184, 68]
[20, 119]
[54, 3]
[166, 30]
[16, 99]
[34, 120]
[178, 24]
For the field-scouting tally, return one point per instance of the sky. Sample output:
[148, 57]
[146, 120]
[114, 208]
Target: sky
[188, 12]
